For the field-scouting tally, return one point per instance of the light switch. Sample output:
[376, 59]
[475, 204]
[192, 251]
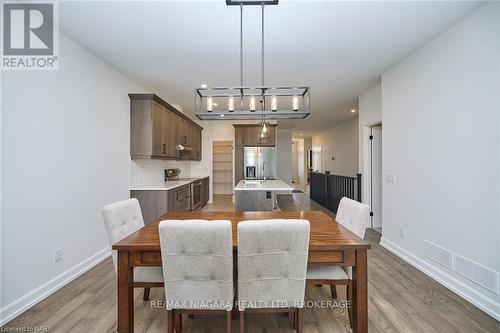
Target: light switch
[391, 178]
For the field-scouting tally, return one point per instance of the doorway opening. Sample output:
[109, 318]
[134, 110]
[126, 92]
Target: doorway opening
[375, 155]
[222, 160]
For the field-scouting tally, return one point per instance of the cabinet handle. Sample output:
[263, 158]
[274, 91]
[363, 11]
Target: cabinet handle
[164, 147]
[185, 139]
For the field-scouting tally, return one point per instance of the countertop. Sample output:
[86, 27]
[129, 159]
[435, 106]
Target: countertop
[165, 186]
[269, 185]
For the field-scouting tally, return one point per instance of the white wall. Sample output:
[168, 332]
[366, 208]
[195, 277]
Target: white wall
[369, 113]
[284, 155]
[147, 171]
[341, 143]
[441, 123]
[65, 154]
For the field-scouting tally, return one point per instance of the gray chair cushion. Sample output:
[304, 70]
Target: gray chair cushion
[272, 263]
[326, 273]
[197, 257]
[353, 215]
[121, 219]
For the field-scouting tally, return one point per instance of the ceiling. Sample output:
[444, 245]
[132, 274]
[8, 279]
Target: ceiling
[339, 49]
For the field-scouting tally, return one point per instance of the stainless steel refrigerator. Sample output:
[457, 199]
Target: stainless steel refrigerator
[259, 163]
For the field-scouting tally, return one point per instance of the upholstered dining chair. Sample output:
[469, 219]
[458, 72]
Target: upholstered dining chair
[354, 216]
[121, 219]
[272, 265]
[197, 258]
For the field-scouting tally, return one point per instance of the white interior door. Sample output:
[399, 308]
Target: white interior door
[376, 164]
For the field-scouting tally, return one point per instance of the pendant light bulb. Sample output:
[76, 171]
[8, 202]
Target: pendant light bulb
[252, 104]
[230, 104]
[264, 128]
[210, 103]
[274, 104]
[295, 103]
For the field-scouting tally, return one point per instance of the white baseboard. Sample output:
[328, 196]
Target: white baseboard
[469, 294]
[28, 300]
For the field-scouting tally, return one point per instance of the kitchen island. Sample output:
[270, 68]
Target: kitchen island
[258, 195]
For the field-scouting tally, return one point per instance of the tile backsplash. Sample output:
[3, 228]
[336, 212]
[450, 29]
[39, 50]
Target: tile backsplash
[149, 171]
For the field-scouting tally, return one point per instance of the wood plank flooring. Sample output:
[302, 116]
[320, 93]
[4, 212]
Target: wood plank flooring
[401, 299]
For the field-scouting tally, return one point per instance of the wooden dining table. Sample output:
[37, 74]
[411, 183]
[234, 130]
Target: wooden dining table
[330, 244]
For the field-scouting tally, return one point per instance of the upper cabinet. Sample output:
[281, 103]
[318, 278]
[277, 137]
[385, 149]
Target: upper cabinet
[249, 136]
[157, 128]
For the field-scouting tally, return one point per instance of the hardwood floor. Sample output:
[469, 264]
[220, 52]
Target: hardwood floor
[401, 299]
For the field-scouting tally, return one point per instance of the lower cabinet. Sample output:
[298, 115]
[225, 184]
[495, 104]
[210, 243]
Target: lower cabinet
[157, 203]
[179, 199]
[253, 200]
[153, 204]
[205, 191]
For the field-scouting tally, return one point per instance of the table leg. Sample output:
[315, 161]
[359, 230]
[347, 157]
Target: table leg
[125, 294]
[360, 293]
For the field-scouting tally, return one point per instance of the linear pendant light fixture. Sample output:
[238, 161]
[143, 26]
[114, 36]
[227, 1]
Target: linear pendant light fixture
[252, 102]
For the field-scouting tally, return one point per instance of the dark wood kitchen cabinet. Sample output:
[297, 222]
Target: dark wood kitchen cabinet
[157, 128]
[179, 199]
[197, 143]
[153, 204]
[249, 136]
[205, 191]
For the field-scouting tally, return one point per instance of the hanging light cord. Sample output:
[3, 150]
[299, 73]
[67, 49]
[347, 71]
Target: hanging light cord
[262, 56]
[263, 6]
[241, 44]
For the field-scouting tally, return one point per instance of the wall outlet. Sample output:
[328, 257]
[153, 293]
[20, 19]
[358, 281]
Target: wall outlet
[391, 178]
[402, 232]
[57, 255]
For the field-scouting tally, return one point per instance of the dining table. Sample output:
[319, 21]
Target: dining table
[330, 243]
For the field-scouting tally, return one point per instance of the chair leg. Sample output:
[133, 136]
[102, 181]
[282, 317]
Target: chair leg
[349, 298]
[300, 320]
[242, 321]
[170, 321]
[228, 321]
[333, 289]
[295, 319]
[178, 322]
[145, 296]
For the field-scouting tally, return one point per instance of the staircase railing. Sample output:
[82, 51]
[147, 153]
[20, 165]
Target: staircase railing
[327, 189]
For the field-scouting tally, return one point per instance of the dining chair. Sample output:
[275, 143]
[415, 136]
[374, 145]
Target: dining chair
[272, 265]
[197, 259]
[354, 216]
[121, 219]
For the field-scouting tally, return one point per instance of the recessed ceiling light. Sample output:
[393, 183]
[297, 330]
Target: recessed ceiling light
[353, 110]
[204, 86]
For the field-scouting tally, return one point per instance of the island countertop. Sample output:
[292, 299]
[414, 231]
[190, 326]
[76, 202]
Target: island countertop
[268, 185]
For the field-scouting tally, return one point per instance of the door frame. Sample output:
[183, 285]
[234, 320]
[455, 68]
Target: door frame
[367, 193]
[212, 188]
